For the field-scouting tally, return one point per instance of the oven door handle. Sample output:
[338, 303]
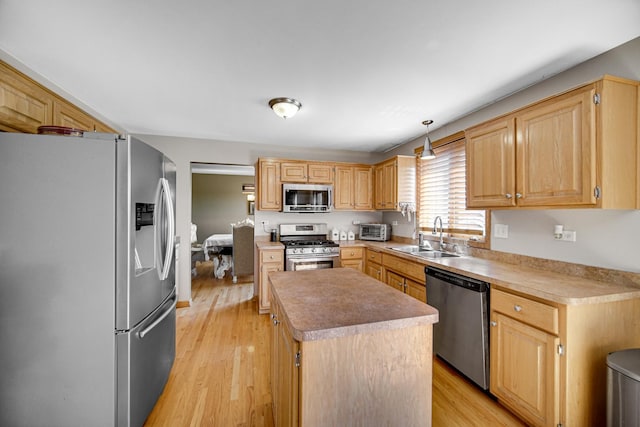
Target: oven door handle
[314, 258]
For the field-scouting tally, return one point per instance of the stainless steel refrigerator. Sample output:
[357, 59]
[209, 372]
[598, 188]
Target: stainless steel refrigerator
[87, 279]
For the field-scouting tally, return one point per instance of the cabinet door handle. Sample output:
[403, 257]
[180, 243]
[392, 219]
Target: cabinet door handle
[518, 196]
[508, 196]
[517, 308]
[492, 323]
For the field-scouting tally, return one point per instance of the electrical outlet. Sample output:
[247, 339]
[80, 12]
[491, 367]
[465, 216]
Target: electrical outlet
[501, 231]
[568, 236]
[356, 222]
[265, 222]
[394, 222]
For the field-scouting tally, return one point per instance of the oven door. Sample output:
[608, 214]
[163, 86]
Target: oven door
[313, 262]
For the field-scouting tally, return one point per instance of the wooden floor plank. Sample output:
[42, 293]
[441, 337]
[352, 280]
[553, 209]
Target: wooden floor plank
[221, 374]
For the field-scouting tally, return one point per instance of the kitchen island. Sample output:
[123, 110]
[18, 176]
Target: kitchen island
[348, 350]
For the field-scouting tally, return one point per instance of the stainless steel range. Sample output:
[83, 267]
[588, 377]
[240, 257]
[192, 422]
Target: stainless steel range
[307, 247]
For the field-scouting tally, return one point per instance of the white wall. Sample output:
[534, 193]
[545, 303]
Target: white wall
[343, 221]
[606, 239]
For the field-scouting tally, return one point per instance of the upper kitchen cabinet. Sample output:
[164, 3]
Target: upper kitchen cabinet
[25, 105]
[313, 173]
[577, 149]
[353, 187]
[65, 114]
[269, 194]
[395, 182]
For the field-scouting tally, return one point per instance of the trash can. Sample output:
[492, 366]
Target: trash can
[623, 388]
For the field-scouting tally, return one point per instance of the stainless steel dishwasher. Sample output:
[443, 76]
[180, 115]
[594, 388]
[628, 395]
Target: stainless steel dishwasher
[461, 336]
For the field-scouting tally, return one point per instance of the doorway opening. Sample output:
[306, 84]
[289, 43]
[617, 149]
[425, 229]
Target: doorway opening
[222, 218]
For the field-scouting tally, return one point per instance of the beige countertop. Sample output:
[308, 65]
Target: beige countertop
[268, 245]
[548, 285]
[553, 286]
[330, 303]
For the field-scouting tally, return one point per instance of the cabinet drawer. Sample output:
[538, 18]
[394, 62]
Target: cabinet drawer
[373, 256]
[351, 253]
[271, 256]
[534, 313]
[410, 269]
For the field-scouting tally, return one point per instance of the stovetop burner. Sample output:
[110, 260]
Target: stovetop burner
[309, 243]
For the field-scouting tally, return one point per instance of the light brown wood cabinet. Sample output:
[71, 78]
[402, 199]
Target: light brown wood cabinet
[405, 276]
[532, 392]
[269, 186]
[300, 171]
[352, 257]
[548, 360]
[373, 264]
[348, 379]
[25, 105]
[569, 150]
[353, 187]
[270, 259]
[65, 114]
[395, 182]
[285, 353]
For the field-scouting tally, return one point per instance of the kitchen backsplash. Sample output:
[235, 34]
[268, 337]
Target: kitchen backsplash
[342, 220]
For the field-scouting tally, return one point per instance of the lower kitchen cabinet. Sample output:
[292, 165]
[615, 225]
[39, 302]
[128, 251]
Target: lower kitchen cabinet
[405, 276]
[524, 359]
[548, 360]
[376, 376]
[373, 264]
[416, 290]
[270, 259]
[408, 286]
[284, 371]
[352, 257]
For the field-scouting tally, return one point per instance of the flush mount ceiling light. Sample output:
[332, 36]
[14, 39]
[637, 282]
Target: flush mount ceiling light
[285, 107]
[427, 150]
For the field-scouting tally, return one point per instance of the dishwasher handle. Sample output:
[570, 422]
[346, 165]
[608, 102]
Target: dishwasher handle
[456, 279]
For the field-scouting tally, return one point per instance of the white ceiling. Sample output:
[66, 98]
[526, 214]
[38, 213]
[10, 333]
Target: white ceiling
[367, 72]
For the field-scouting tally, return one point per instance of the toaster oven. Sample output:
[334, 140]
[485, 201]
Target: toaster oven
[379, 232]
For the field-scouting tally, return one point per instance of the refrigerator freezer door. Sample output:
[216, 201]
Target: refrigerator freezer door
[145, 357]
[145, 268]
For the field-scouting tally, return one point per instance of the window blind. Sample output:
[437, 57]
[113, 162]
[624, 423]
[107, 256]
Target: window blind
[442, 192]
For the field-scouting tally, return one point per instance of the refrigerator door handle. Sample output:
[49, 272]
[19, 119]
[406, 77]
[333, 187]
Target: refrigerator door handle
[155, 323]
[164, 220]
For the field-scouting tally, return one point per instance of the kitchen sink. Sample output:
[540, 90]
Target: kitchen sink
[436, 254]
[411, 249]
[424, 252]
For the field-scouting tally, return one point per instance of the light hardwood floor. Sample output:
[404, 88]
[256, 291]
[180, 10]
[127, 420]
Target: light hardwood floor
[221, 373]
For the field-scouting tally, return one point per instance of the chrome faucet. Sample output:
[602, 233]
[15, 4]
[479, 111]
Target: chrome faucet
[435, 230]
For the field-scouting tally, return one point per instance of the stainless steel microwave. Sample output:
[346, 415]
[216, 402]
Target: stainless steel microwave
[379, 232]
[307, 198]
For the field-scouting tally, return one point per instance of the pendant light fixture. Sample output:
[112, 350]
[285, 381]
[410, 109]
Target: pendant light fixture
[285, 107]
[427, 150]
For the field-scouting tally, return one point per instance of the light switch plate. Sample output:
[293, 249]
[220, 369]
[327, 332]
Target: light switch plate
[501, 231]
[568, 236]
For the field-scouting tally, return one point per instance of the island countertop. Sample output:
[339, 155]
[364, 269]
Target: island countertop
[330, 303]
